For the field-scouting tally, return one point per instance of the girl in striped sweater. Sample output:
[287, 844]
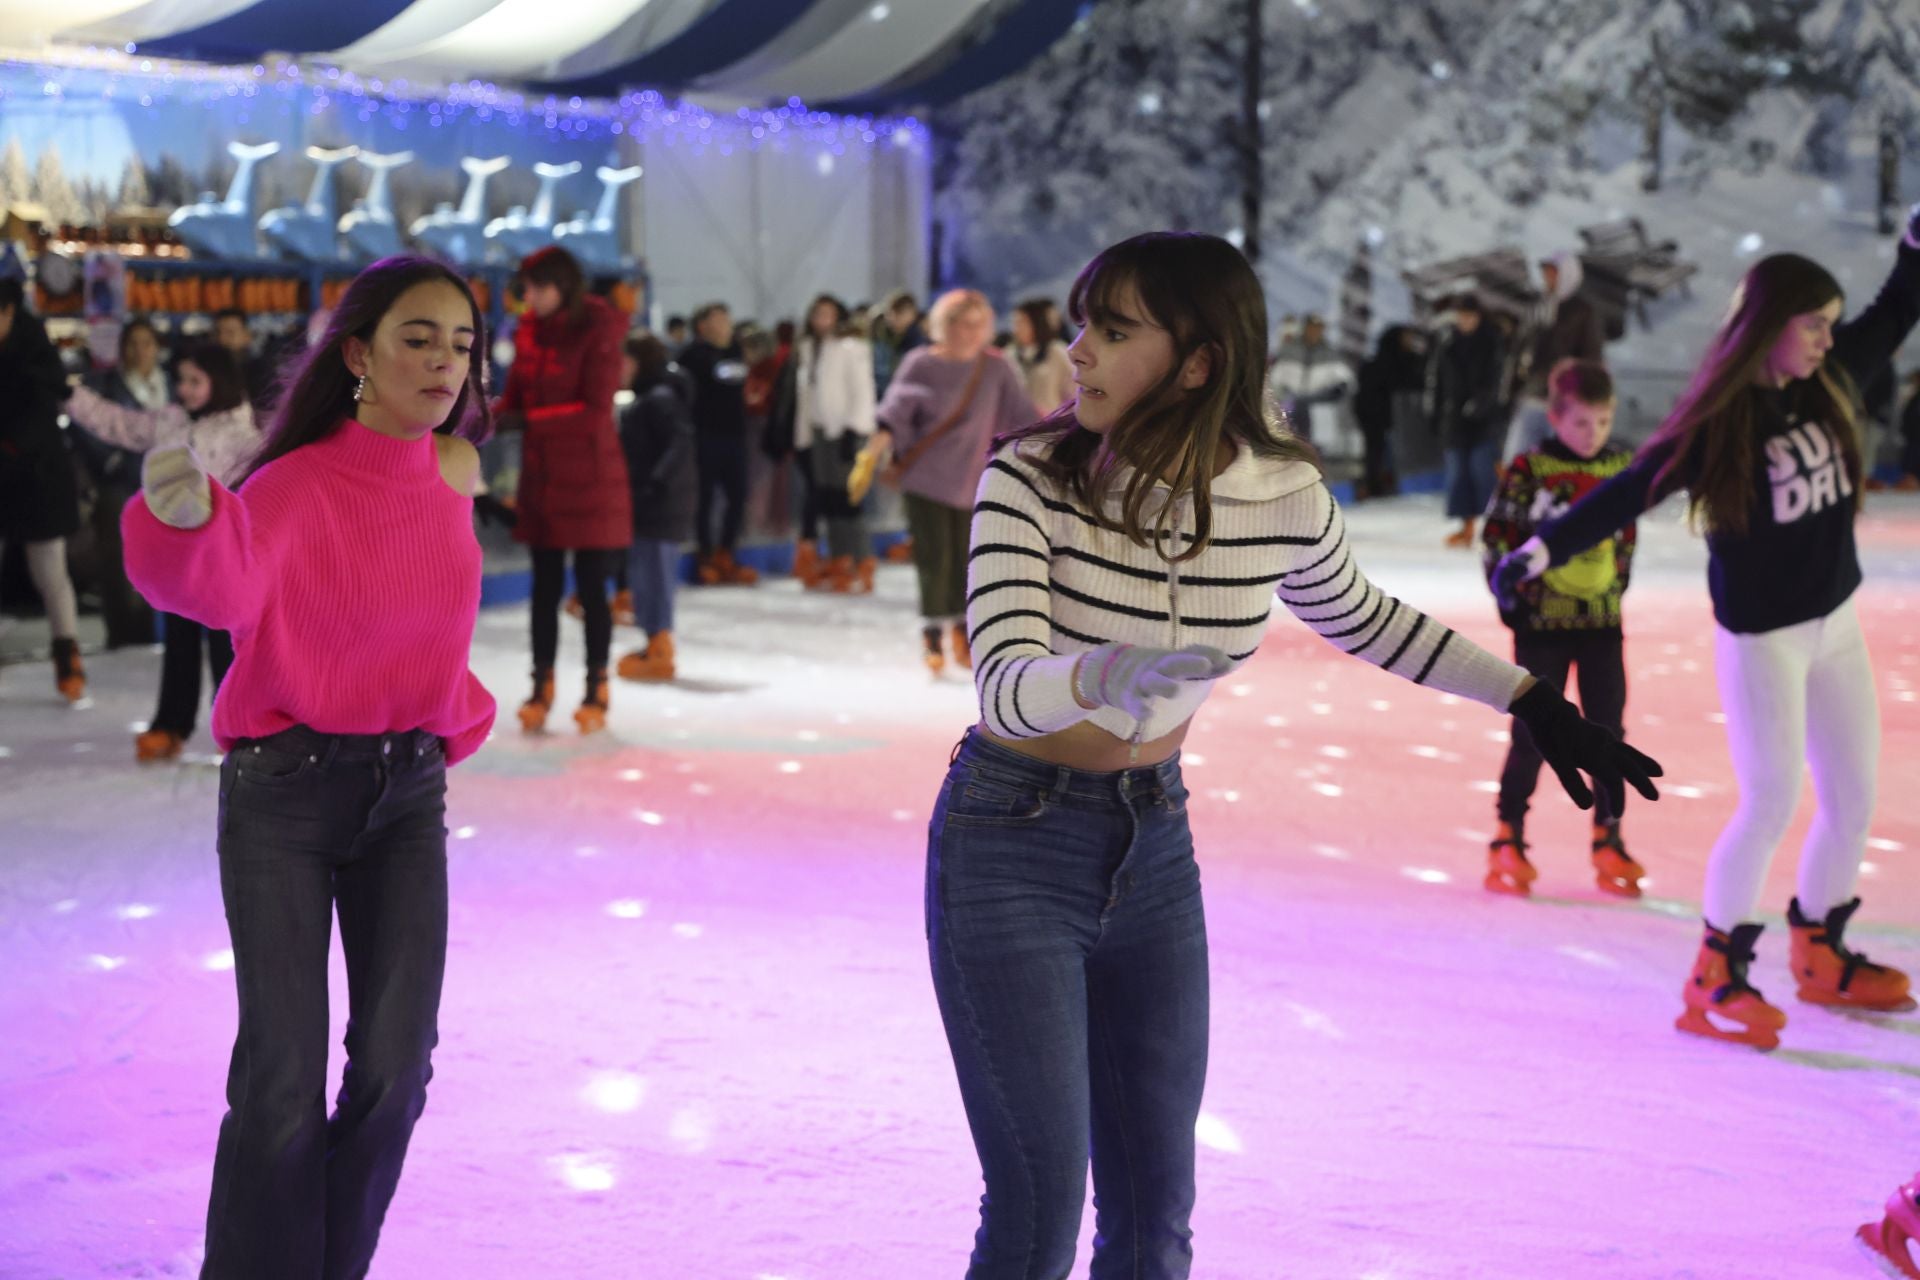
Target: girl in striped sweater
[1122, 554]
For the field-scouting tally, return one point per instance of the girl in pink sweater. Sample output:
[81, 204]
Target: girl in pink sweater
[213, 416]
[346, 568]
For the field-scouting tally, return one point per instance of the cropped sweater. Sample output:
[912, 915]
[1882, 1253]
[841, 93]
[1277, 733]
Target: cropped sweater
[1045, 583]
[349, 575]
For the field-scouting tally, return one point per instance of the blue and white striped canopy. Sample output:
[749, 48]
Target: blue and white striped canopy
[873, 55]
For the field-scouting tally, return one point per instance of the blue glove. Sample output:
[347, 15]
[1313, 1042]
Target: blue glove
[1523, 563]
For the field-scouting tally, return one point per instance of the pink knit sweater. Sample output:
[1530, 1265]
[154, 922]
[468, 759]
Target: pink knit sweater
[348, 573]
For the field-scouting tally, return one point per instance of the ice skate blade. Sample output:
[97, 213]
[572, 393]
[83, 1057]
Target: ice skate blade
[533, 720]
[1618, 888]
[1834, 1000]
[1887, 1250]
[1498, 883]
[1696, 1023]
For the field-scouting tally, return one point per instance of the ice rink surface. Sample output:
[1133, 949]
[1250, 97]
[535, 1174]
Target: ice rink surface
[688, 1030]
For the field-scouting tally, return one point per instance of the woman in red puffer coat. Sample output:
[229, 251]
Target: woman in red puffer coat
[573, 477]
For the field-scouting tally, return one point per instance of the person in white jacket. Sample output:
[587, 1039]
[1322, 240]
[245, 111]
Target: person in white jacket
[833, 421]
[1310, 380]
[214, 419]
[1040, 357]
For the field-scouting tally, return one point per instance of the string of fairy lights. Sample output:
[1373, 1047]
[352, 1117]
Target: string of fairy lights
[285, 86]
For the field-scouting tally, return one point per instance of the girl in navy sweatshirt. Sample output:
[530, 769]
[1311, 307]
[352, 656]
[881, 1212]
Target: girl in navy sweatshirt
[1766, 442]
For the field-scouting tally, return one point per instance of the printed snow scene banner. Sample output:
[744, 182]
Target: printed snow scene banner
[760, 207]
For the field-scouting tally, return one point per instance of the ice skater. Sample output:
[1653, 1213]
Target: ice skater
[1766, 442]
[345, 566]
[1569, 621]
[215, 418]
[1123, 552]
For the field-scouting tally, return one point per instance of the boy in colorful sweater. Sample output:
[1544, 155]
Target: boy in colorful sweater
[1568, 619]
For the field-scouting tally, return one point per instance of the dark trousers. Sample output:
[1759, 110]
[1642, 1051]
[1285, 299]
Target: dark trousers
[591, 570]
[1599, 661]
[832, 462]
[128, 617]
[1069, 954]
[1377, 464]
[809, 495]
[941, 537]
[722, 463]
[654, 569]
[182, 644]
[311, 824]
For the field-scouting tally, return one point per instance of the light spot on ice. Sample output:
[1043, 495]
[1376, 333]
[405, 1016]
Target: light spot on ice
[902, 815]
[1330, 789]
[1426, 875]
[1320, 708]
[687, 930]
[136, 911]
[1211, 1131]
[700, 789]
[1751, 242]
[789, 766]
[106, 964]
[1335, 852]
[65, 905]
[648, 816]
[627, 908]
[1190, 758]
[1884, 844]
[464, 833]
[217, 961]
[1277, 722]
[1491, 788]
[1585, 956]
[1314, 1020]
[631, 775]
[1335, 753]
[591, 1171]
[691, 1129]
[615, 1091]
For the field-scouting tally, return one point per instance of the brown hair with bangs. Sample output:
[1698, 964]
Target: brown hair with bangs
[1711, 431]
[1203, 292]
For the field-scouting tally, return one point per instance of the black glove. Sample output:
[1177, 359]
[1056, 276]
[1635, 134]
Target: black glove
[493, 511]
[1573, 744]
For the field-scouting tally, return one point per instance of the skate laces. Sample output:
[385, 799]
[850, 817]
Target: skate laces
[1738, 948]
[1830, 933]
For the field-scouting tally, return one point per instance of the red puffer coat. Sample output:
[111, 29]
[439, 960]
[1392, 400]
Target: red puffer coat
[573, 475]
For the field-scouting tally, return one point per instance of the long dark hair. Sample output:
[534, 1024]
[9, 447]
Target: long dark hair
[1203, 292]
[1045, 335]
[222, 367]
[555, 266]
[1710, 430]
[318, 396]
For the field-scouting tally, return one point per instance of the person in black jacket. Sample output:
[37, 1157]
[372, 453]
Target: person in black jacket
[137, 381]
[39, 499]
[1397, 366]
[1766, 442]
[1463, 406]
[718, 368]
[657, 434]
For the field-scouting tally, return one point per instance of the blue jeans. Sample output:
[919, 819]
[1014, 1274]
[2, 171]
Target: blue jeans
[311, 823]
[1470, 474]
[653, 568]
[1069, 953]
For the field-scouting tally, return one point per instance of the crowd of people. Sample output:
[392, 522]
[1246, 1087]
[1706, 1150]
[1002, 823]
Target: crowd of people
[1095, 524]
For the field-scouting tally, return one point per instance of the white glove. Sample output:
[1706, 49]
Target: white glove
[176, 488]
[1128, 676]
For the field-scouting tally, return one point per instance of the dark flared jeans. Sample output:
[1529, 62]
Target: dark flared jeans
[312, 824]
[1069, 954]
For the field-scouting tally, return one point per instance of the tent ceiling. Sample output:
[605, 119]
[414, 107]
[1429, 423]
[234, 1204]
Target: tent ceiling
[882, 54]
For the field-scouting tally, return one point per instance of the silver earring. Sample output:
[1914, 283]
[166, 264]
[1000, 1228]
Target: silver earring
[360, 389]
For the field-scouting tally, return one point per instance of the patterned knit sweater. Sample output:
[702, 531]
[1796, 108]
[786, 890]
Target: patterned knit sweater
[1046, 583]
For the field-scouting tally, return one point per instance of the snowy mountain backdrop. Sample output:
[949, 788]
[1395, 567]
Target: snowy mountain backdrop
[1445, 128]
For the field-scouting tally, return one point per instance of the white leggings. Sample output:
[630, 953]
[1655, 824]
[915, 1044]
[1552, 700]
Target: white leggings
[1801, 691]
[47, 563]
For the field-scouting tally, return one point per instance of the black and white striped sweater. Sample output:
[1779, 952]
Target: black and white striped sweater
[1045, 583]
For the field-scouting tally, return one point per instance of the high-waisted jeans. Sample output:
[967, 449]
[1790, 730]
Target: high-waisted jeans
[1069, 955]
[310, 824]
